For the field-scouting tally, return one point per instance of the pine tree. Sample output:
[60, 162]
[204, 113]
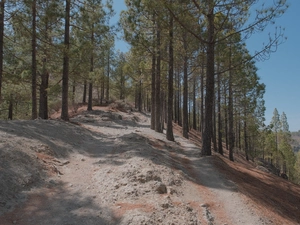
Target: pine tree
[284, 123]
[275, 124]
[65, 76]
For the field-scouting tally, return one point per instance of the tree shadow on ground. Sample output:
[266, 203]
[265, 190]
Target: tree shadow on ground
[273, 192]
[63, 208]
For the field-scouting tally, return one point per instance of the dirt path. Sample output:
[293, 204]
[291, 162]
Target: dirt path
[115, 170]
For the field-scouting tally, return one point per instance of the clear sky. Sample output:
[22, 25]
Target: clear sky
[281, 73]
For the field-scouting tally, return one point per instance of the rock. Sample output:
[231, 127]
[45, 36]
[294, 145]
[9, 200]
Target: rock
[160, 188]
[171, 190]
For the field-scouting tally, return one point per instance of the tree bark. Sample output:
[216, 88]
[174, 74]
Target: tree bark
[33, 66]
[194, 104]
[185, 120]
[230, 112]
[65, 79]
[108, 77]
[90, 101]
[214, 133]
[140, 96]
[210, 82]
[246, 140]
[2, 11]
[158, 125]
[43, 102]
[84, 92]
[153, 76]
[220, 144]
[10, 108]
[43, 106]
[202, 98]
[170, 135]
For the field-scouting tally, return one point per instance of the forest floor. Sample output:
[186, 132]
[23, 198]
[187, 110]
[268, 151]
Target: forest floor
[108, 167]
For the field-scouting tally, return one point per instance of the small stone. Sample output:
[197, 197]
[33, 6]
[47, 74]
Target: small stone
[161, 188]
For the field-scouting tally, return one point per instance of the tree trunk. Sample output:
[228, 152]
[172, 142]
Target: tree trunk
[158, 125]
[194, 104]
[43, 106]
[140, 96]
[153, 76]
[2, 11]
[214, 133]
[226, 117]
[170, 135]
[245, 140]
[210, 82]
[33, 66]
[90, 101]
[230, 111]
[179, 100]
[202, 98]
[10, 108]
[108, 77]
[84, 92]
[220, 144]
[176, 106]
[73, 92]
[65, 79]
[43, 102]
[103, 87]
[185, 120]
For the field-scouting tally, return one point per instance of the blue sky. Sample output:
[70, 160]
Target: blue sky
[281, 73]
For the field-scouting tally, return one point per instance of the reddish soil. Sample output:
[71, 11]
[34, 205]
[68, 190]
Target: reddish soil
[270, 192]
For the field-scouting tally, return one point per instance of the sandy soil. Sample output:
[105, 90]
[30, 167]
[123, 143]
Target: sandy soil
[109, 167]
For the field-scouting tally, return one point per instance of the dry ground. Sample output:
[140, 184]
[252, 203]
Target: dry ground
[109, 167]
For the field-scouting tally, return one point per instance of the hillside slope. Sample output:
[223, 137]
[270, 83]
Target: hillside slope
[108, 167]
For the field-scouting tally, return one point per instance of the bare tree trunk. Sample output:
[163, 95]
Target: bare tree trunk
[153, 76]
[246, 140]
[230, 112]
[65, 79]
[90, 101]
[43, 102]
[2, 11]
[214, 134]
[194, 104]
[73, 92]
[10, 107]
[202, 98]
[140, 96]
[185, 121]
[220, 144]
[176, 106]
[84, 92]
[226, 117]
[43, 106]
[108, 76]
[210, 82]
[179, 100]
[170, 135]
[33, 66]
[158, 124]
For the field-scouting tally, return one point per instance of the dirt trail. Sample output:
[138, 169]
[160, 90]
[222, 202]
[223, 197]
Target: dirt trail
[110, 168]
